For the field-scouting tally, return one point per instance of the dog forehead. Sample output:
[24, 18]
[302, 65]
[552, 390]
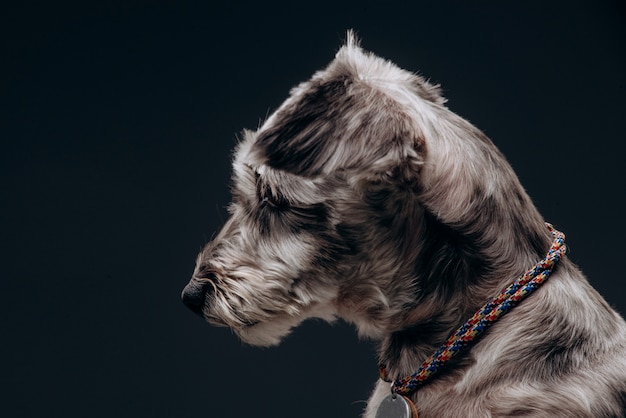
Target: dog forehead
[347, 114]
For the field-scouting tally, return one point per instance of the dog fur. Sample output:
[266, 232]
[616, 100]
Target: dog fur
[363, 197]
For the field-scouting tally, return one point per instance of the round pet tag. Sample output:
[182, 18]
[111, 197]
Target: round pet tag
[396, 406]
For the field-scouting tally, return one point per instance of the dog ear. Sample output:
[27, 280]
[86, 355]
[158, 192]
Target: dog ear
[329, 130]
[398, 160]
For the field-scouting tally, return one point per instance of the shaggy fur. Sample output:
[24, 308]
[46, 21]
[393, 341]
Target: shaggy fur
[363, 197]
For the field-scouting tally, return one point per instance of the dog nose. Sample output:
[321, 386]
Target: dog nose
[193, 296]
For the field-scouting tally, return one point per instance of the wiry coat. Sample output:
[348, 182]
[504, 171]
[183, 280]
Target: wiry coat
[363, 197]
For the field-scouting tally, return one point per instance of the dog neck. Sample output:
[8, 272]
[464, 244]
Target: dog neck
[457, 273]
[488, 313]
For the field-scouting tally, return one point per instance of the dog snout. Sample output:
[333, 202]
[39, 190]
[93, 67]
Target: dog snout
[193, 296]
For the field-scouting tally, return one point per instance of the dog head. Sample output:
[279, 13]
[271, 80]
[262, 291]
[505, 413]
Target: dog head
[332, 196]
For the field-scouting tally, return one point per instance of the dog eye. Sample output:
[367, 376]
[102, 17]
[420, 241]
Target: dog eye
[273, 201]
[269, 197]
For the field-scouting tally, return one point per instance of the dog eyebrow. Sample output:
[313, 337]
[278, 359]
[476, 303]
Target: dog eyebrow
[273, 181]
[296, 189]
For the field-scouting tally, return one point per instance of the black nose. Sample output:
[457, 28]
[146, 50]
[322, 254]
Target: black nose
[193, 296]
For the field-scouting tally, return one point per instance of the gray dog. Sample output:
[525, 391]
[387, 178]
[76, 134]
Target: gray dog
[363, 197]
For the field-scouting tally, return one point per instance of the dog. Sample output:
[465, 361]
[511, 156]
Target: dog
[363, 197]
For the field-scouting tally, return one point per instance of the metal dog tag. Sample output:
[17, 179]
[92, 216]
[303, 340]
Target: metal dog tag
[396, 406]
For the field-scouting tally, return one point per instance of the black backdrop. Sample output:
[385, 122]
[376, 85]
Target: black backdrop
[117, 124]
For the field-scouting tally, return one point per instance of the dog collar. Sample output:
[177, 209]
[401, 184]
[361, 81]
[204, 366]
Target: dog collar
[485, 316]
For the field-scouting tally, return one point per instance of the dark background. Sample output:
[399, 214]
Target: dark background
[118, 120]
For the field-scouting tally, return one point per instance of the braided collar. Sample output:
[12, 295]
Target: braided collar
[485, 316]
